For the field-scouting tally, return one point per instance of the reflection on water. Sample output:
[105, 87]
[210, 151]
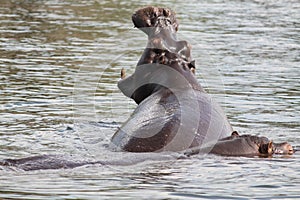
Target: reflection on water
[60, 62]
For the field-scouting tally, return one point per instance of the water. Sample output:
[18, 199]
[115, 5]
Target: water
[60, 62]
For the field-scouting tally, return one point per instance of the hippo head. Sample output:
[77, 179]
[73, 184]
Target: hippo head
[283, 148]
[154, 17]
[166, 62]
[275, 148]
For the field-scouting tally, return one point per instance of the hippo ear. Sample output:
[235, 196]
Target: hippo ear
[270, 148]
[234, 133]
[123, 73]
[192, 64]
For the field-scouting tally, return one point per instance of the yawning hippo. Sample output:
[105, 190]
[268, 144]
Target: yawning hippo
[174, 111]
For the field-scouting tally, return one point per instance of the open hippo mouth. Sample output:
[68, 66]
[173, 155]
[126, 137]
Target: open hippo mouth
[163, 53]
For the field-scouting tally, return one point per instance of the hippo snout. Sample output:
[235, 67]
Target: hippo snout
[283, 148]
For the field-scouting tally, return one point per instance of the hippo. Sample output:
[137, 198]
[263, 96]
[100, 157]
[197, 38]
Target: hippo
[174, 112]
[244, 145]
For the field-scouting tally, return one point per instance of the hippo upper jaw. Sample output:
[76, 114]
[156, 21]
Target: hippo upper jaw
[151, 19]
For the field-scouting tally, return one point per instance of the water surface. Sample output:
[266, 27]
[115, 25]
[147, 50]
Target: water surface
[60, 62]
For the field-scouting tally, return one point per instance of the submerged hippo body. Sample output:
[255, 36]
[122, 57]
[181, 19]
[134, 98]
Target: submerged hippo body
[174, 112]
[44, 162]
[235, 145]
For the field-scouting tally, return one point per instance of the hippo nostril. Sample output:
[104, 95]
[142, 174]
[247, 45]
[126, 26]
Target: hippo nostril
[291, 150]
